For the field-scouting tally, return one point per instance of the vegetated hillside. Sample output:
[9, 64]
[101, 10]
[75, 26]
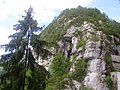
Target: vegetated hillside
[86, 46]
[76, 17]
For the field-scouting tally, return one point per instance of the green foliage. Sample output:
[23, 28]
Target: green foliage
[109, 82]
[60, 65]
[109, 27]
[39, 46]
[56, 83]
[60, 76]
[1, 70]
[108, 60]
[95, 38]
[37, 80]
[80, 70]
[81, 43]
[76, 17]
[117, 43]
[54, 31]
[59, 71]
[78, 33]
[85, 88]
[29, 73]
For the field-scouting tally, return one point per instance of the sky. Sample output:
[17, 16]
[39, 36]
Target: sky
[45, 11]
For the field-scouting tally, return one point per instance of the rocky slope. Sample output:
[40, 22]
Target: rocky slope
[89, 50]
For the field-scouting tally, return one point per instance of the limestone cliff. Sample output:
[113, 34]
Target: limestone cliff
[93, 54]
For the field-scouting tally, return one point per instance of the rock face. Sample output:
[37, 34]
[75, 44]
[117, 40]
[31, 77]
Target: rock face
[92, 50]
[90, 45]
[116, 61]
[116, 79]
[94, 80]
[45, 62]
[96, 66]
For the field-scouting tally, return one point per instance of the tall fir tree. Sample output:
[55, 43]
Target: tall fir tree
[21, 72]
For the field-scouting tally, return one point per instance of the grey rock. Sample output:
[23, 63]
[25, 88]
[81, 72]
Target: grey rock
[116, 62]
[99, 44]
[94, 80]
[70, 31]
[115, 58]
[76, 84]
[97, 65]
[74, 43]
[116, 79]
[45, 62]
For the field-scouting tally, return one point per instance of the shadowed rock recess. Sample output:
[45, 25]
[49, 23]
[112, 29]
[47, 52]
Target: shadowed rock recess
[85, 46]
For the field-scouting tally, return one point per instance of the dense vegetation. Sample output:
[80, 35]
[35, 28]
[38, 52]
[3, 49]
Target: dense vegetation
[59, 71]
[76, 17]
[109, 69]
[109, 82]
[60, 75]
[80, 70]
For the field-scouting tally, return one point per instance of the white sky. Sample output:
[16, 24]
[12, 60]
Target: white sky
[44, 8]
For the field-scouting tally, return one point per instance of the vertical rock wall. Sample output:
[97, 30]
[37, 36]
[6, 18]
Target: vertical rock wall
[93, 51]
[94, 54]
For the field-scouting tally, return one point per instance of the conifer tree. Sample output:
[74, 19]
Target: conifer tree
[21, 72]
